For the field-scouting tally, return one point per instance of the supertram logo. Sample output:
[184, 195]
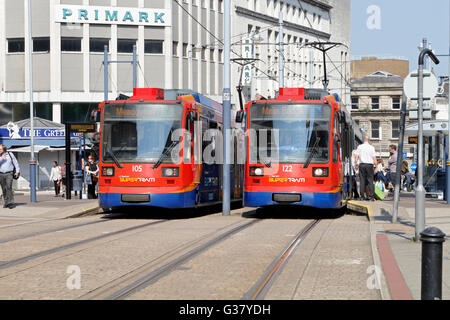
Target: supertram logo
[134, 180]
[113, 15]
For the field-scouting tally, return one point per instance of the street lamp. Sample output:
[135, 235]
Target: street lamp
[191, 69]
[420, 190]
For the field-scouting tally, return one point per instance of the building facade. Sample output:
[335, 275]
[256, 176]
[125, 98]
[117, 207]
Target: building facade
[376, 104]
[304, 22]
[179, 45]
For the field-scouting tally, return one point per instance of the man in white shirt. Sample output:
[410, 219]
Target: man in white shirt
[367, 161]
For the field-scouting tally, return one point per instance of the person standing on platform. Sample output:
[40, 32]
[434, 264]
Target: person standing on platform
[392, 164]
[92, 170]
[55, 177]
[367, 161]
[9, 170]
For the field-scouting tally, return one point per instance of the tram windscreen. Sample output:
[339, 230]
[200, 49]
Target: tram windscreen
[289, 133]
[139, 132]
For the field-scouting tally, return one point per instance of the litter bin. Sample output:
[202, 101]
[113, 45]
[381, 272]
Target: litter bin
[77, 182]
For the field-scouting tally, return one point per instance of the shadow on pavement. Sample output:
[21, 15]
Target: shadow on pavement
[137, 212]
[294, 212]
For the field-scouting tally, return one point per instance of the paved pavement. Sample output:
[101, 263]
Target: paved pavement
[47, 207]
[397, 253]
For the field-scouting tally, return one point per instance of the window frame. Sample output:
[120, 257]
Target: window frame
[372, 130]
[41, 39]
[372, 103]
[72, 38]
[148, 41]
[392, 129]
[15, 39]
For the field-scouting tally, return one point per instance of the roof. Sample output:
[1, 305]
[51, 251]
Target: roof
[37, 123]
[380, 77]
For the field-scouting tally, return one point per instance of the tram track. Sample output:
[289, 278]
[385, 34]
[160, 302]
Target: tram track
[33, 256]
[151, 272]
[46, 231]
[261, 287]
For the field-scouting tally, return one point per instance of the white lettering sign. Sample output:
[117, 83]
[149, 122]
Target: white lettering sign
[113, 15]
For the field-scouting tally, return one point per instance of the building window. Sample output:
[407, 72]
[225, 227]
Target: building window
[175, 48]
[375, 129]
[125, 45]
[98, 45]
[185, 49]
[41, 45]
[396, 103]
[220, 55]
[355, 103]
[16, 45]
[211, 55]
[154, 46]
[395, 129]
[375, 103]
[71, 44]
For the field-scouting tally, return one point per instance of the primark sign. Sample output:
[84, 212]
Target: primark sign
[113, 15]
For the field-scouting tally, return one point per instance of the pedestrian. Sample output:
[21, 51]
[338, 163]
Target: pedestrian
[367, 161]
[406, 174]
[63, 179]
[9, 170]
[55, 177]
[379, 175]
[355, 175]
[392, 164]
[92, 170]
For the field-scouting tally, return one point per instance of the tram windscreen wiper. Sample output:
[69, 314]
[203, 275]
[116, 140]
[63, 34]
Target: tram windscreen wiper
[165, 152]
[312, 153]
[114, 158]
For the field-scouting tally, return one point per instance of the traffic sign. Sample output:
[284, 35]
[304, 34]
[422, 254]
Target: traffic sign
[413, 166]
[430, 85]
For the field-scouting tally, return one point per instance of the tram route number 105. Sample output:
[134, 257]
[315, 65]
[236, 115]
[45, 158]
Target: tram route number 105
[137, 168]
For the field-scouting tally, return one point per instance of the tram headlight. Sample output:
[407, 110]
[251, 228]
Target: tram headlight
[320, 172]
[170, 172]
[107, 171]
[256, 171]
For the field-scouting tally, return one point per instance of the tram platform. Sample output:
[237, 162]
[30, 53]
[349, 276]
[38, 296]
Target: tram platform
[47, 207]
[395, 252]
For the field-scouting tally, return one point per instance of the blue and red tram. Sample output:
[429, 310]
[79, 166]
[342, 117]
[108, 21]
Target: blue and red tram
[152, 149]
[299, 149]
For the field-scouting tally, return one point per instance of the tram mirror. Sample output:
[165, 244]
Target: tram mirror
[192, 116]
[95, 116]
[239, 116]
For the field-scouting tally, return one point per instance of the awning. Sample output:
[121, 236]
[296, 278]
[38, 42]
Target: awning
[27, 149]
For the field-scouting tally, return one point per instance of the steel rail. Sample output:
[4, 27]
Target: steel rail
[162, 271]
[261, 287]
[24, 259]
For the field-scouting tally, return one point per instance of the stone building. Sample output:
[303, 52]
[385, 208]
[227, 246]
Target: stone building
[376, 103]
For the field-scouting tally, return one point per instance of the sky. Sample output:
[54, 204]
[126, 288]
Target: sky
[401, 26]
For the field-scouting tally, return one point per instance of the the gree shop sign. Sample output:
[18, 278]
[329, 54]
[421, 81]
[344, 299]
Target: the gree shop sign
[113, 15]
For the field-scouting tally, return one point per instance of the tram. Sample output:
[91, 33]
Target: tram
[299, 149]
[161, 148]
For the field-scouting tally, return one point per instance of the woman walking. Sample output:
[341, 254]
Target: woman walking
[55, 176]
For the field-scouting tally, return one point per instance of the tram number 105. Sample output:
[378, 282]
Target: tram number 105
[137, 168]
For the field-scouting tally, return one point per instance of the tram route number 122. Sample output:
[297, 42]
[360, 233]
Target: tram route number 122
[287, 168]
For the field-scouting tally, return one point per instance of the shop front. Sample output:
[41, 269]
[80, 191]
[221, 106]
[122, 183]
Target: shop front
[49, 146]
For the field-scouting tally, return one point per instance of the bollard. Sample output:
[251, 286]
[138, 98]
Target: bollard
[432, 239]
